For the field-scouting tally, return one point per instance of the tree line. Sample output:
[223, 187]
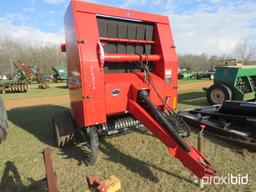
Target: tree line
[203, 62]
[50, 55]
[41, 56]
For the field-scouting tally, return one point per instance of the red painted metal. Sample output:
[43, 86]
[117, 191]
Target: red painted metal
[91, 8]
[118, 40]
[91, 88]
[130, 57]
[63, 47]
[192, 160]
[88, 80]
[126, 82]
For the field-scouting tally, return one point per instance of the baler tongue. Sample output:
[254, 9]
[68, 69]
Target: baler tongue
[149, 115]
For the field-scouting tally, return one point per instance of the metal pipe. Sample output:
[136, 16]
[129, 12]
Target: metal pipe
[130, 57]
[132, 41]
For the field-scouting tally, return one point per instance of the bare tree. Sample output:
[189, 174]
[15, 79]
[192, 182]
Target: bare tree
[43, 57]
[246, 52]
[194, 62]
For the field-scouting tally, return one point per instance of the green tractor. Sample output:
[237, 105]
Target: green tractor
[60, 74]
[3, 121]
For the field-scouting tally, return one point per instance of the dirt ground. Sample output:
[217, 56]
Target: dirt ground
[57, 100]
[64, 99]
[195, 85]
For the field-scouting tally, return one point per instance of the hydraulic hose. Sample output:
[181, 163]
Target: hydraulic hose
[143, 96]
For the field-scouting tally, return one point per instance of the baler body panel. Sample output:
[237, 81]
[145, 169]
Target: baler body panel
[74, 64]
[97, 92]
[118, 103]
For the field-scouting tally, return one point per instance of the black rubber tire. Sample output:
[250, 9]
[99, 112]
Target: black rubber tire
[25, 87]
[64, 128]
[223, 88]
[3, 121]
[93, 141]
[55, 79]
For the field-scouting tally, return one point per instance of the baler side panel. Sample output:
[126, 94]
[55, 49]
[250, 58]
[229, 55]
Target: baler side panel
[92, 75]
[73, 61]
[168, 66]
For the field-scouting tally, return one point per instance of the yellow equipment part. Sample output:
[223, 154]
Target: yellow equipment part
[112, 183]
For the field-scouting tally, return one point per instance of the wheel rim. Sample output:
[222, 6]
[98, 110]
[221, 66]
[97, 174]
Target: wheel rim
[217, 96]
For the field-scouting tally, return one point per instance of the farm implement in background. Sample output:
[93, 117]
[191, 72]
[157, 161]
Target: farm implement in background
[233, 83]
[19, 82]
[60, 74]
[233, 121]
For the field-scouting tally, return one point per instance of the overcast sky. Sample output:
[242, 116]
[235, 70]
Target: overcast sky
[210, 26]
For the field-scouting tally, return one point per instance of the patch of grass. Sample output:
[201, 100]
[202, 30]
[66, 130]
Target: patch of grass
[36, 92]
[186, 81]
[140, 160]
[192, 98]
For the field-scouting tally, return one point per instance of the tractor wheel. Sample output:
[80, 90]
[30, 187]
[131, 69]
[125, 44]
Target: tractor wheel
[218, 93]
[3, 121]
[63, 125]
[93, 144]
[55, 79]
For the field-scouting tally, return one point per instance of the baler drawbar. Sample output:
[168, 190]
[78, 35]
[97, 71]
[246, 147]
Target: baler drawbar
[122, 73]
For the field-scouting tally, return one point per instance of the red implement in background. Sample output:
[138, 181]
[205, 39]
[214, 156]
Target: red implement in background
[114, 55]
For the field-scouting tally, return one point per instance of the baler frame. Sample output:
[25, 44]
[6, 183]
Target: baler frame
[145, 92]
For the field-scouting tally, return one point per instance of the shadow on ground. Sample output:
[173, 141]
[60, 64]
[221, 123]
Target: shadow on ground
[135, 165]
[78, 152]
[36, 120]
[193, 98]
[62, 87]
[11, 181]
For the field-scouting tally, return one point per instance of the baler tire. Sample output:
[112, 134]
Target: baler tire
[227, 93]
[93, 141]
[3, 122]
[64, 128]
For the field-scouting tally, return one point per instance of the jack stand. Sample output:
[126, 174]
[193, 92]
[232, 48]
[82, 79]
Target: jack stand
[199, 148]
